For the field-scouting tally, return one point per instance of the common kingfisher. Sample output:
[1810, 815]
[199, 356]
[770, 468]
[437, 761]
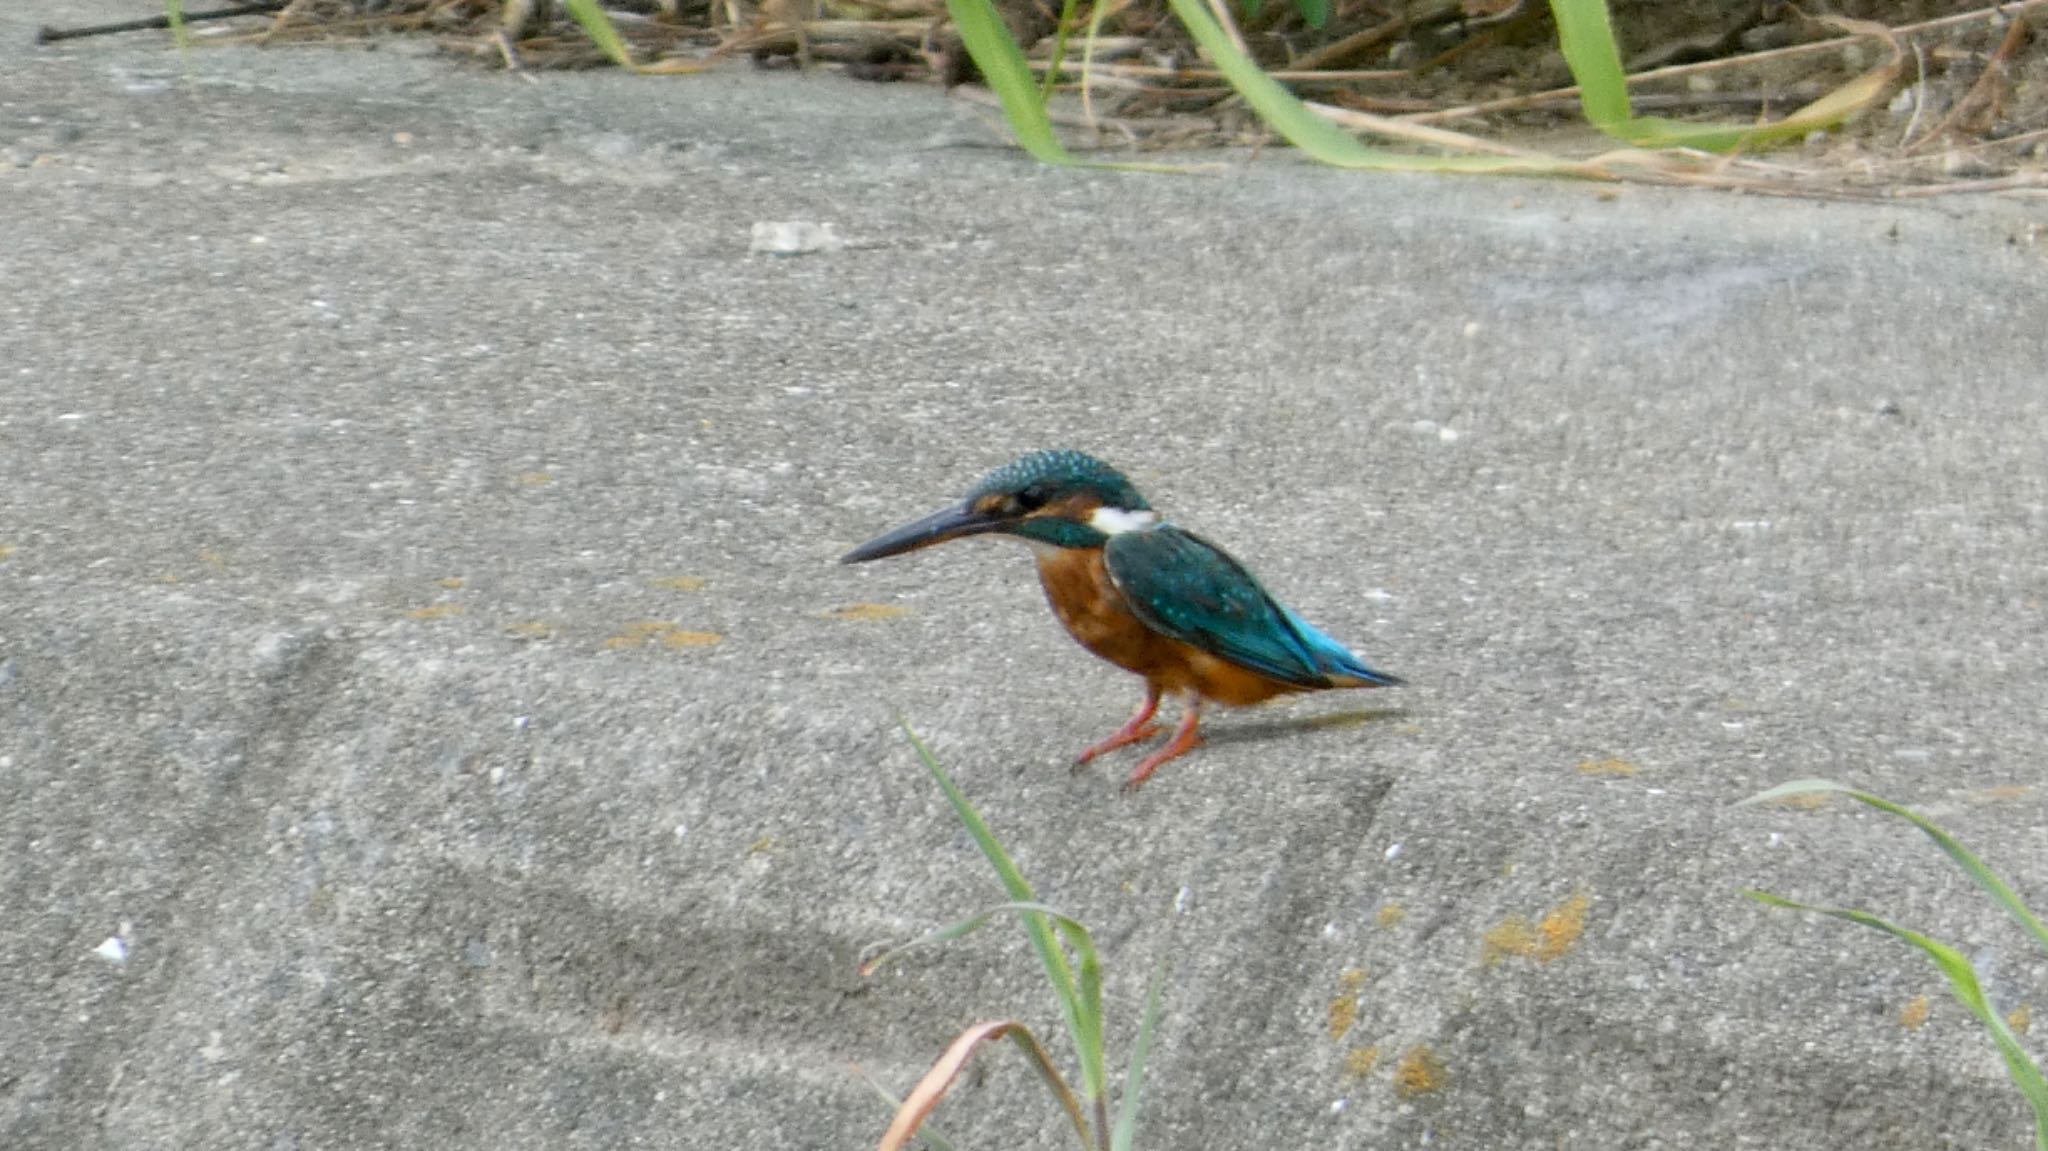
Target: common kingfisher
[1144, 595]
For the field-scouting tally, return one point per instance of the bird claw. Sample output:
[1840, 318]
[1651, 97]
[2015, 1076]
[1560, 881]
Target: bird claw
[1185, 740]
[1123, 738]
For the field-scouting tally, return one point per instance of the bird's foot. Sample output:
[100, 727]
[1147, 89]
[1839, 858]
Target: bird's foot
[1124, 737]
[1185, 739]
[1139, 728]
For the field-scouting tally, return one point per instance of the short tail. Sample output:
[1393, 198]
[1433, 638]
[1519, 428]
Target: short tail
[1335, 660]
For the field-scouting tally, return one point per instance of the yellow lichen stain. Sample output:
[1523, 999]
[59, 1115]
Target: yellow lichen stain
[215, 561]
[1549, 938]
[1561, 927]
[761, 846]
[1359, 1062]
[1607, 767]
[1344, 1008]
[535, 479]
[860, 612]
[2021, 1020]
[1512, 936]
[1418, 1073]
[1914, 1014]
[435, 611]
[2004, 794]
[6, 550]
[531, 629]
[452, 583]
[681, 638]
[1390, 915]
[641, 633]
[1343, 1014]
[677, 583]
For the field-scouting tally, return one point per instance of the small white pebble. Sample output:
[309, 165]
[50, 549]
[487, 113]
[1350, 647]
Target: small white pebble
[1330, 931]
[1447, 435]
[1471, 328]
[1337, 1108]
[1393, 853]
[114, 950]
[794, 237]
[1181, 899]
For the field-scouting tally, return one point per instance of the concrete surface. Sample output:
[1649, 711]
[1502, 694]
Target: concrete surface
[368, 779]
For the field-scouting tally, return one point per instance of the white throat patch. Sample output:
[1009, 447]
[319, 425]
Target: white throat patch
[1116, 521]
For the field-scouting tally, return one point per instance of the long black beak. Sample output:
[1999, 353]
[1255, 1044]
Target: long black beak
[936, 528]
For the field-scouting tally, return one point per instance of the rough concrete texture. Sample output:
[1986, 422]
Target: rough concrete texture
[385, 440]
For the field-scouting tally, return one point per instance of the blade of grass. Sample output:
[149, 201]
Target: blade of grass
[1973, 867]
[1586, 37]
[1080, 1003]
[1061, 31]
[924, 1130]
[1002, 66]
[1963, 983]
[1314, 135]
[605, 35]
[967, 927]
[174, 15]
[932, 1088]
[602, 33]
[1126, 1133]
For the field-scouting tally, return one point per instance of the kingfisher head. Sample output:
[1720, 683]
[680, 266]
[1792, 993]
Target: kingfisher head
[1051, 499]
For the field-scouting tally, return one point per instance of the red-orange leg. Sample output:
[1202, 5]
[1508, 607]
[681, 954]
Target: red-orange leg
[1141, 727]
[1185, 739]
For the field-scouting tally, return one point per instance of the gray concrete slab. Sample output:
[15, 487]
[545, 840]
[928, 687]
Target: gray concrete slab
[384, 439]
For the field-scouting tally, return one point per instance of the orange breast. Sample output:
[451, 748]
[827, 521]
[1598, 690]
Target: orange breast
[1078, 587]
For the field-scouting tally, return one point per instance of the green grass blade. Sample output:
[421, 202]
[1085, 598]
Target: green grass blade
[174, 15]
[1081, 1004]
[1586, 37]
[1963, 983]
[1307, 131]
[601, 31]
[1002, 66]
[966, 927]
[1315, 12]
[1983, 876]
[1061, 31]
[1125, 1136]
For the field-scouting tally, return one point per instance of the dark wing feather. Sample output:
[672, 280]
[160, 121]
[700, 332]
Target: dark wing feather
[1182, 586]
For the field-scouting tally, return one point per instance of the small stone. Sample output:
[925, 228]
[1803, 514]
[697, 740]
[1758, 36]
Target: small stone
[795, 238]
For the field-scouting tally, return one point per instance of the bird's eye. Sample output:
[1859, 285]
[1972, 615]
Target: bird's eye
[1032, 498]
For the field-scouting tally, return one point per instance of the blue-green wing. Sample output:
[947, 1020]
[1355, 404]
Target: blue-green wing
[1185, 587]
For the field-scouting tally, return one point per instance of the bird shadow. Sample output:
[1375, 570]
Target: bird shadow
[1261, 730]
